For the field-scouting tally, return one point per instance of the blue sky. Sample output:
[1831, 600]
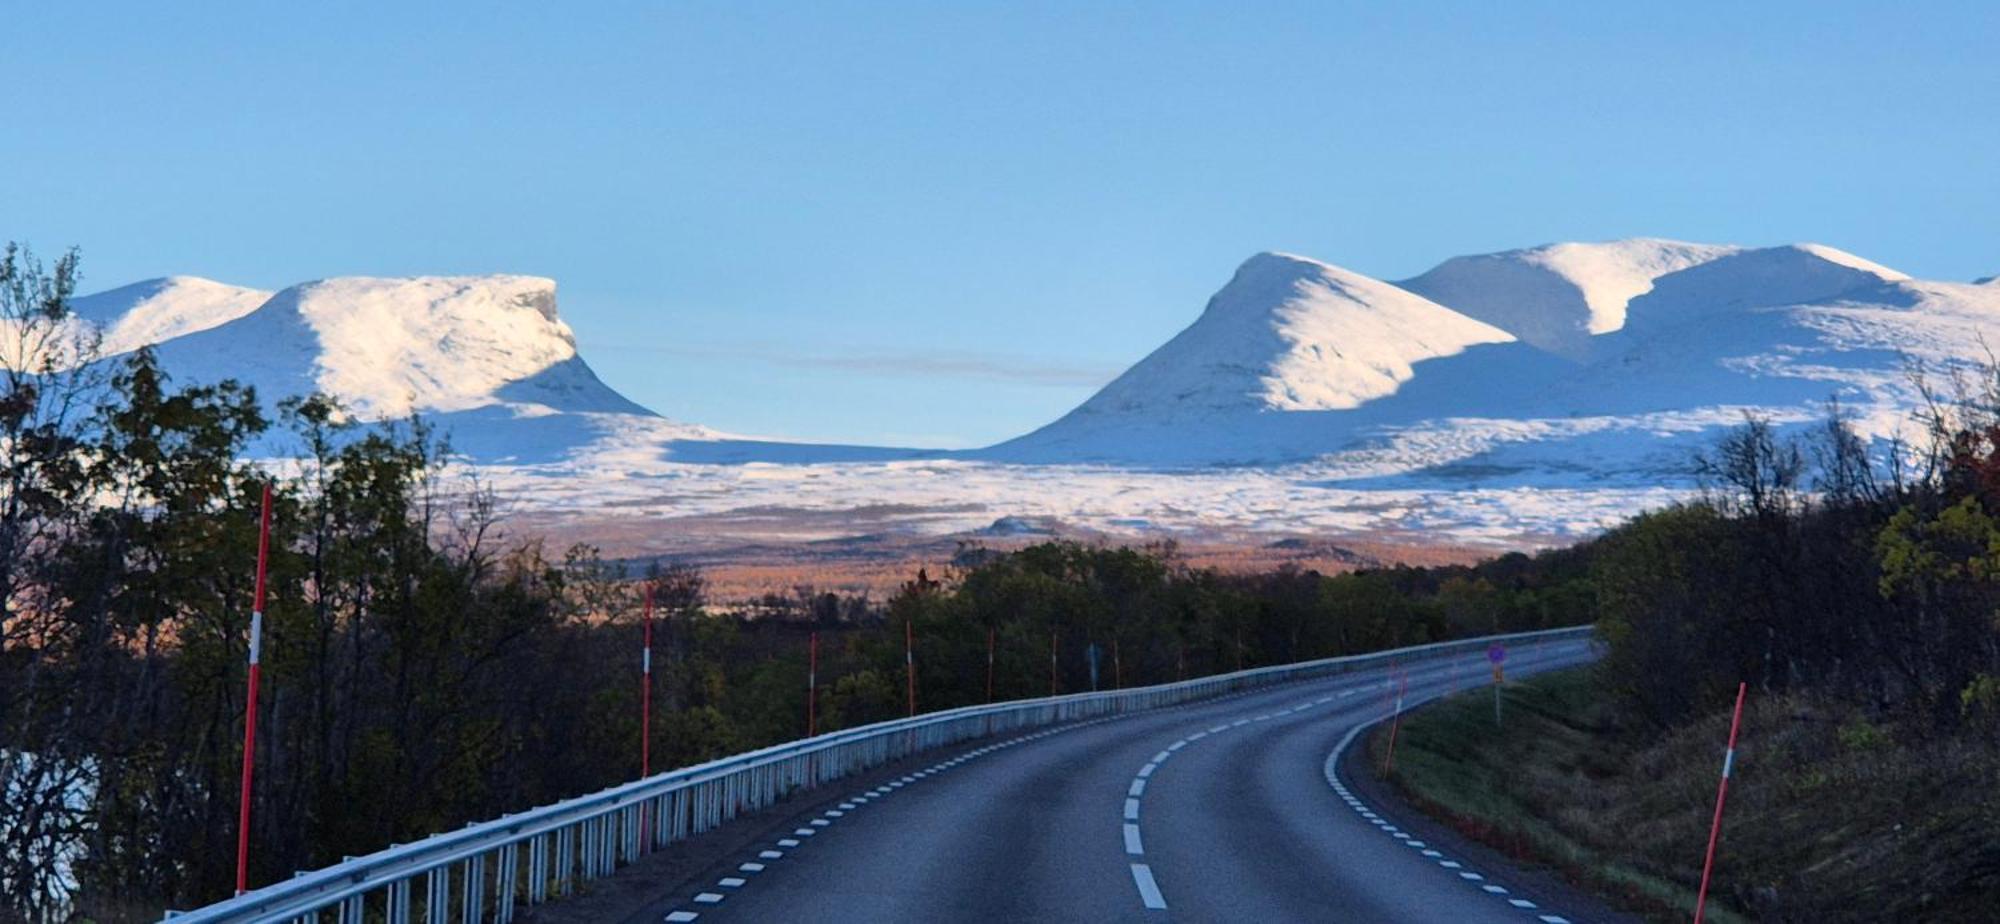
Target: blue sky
[945, 223]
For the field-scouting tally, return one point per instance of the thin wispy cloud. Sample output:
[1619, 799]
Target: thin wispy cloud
[899, 363]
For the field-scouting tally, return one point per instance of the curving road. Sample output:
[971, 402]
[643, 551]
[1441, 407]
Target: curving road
[1226, 810]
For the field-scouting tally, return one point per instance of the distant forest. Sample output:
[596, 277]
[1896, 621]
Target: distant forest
[419, 674]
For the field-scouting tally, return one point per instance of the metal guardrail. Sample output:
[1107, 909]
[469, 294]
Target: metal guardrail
[488, 871]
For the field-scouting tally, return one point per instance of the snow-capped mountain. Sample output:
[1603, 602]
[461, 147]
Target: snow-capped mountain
[487, 358]
[1568, 364]
[1522, 396]
[1291, 334]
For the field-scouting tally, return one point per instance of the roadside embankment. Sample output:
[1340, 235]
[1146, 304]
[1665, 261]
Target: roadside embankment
[1830, 817]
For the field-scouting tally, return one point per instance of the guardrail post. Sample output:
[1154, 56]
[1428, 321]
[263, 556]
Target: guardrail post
[506, 880]
[566, 859]
[437, 896]
[399, 902]
[474, 900]
[538, 868]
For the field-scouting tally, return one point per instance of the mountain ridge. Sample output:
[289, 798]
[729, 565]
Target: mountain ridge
[1659, 341]
[1556, 364]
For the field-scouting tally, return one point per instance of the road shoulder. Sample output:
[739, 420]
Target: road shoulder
[1546, 886]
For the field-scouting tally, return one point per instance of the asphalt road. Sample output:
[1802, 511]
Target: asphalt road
[1226, 810]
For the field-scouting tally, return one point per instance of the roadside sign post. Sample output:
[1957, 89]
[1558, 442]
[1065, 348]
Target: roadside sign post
[812, 696]
[1496, 654]
[646, 689]
[1721, 793]
[1052, 661]
[646, 708]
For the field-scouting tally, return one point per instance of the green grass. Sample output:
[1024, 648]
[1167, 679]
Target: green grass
[1828, 820]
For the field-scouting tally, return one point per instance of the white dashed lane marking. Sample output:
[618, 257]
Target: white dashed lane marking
[851, 804]
[1142, 874]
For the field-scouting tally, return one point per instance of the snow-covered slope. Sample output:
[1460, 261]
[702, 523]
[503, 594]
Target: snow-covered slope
[1287, 334]
[1629, 355]
[1292, 334]
[158, 310]
[486, 358]
[388, 347]
[1559, 296]
[1792, 275]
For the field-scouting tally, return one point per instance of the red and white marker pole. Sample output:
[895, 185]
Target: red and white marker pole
[1721, 793]
[989, 665]
[1117, 667]
[1389, 759]
[812, 684]
[250, 704]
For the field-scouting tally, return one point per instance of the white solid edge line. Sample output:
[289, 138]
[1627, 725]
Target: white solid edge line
[1330, 769]
[1149, 891]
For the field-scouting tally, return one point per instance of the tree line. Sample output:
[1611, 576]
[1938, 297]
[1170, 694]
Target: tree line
[1818, 563]
[423, 670]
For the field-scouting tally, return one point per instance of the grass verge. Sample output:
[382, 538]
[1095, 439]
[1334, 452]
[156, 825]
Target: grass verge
[1830, 818]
